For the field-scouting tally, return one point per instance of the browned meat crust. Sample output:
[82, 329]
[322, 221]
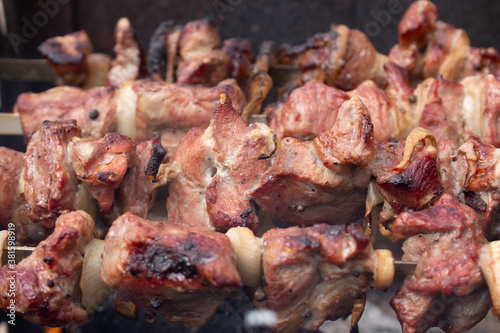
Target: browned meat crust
[177, 272]
[218, 168]
[46, 283]
[448, 266]
[130, 61]
[67, 55]
[50, 185]
[94, 110]
[313, 274]
[323, 181]
[101, 165]
[136, 192]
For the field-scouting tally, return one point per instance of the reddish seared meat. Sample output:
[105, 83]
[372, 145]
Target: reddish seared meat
[309, 111]
[47, 283]
[323, 181]
[313, 274]
[342, 58]
[447, 267]
[11, 167]
[408, 187]
[67, 56]
[218, 168]
[177, 272]
[50, 184]
[130, 61]
[94, 109]
[101, 165]
[137, 190]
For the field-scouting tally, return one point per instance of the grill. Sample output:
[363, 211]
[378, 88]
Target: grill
[28, 23]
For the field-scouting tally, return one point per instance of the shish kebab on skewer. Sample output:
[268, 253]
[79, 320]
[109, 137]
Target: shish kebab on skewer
[350, 109]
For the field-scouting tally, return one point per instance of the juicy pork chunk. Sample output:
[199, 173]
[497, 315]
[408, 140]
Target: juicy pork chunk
[50, 184]
[342, 58]
[11, 167]
[67, 55]
[47, 290]
[101, 164]
[447, 276]
[94, 109]
[406, 175]
[137, 190]
[177, 272]
[428, 47]
[309, 111]
[313, 274]
[130, 61]
[323, 181]
[203, 62]
[218, 167]
[13, 208]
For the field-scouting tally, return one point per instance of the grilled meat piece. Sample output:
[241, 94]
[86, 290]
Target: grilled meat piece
[173, 109]
[208, 70]
[197, 39]
[447, 269]
[309, 111]
[342, 57]
[323, 181]
[218, 168]
[94, 110]
[46, 284]
[11, 167]
[177, 272]
[67, 56]
[101, 164]
[13, 208]
[50, 185]
[313, 274]
[428, 47]
[130, 61]
[137, 190]
[412, 185]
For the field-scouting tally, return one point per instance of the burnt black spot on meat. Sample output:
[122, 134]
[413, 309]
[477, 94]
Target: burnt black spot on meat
[48, 260]
[188, 245]
[266, 156]
[105, 176]
[412, 99]
[94, 114]
[246, 213]
[308, 314]
[154, 260]
[154, 162]
[473, 200]
[50, 283]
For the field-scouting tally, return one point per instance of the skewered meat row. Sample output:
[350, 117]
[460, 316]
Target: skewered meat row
[62, 171]
[360, 115]
[183, 273]
[449, 110]
[138, 109]
[344, 58]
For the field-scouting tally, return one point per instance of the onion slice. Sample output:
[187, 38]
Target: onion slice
[383, 271]
[248, 254]
[94, 291]
[489, 261]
